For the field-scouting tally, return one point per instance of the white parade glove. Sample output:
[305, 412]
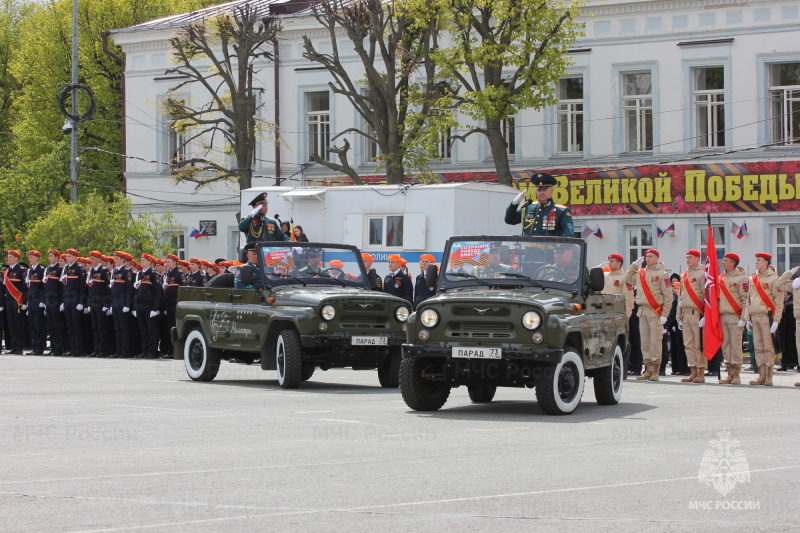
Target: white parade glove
[105, 309]
[24, 307]
[61, 307]
[740, 324]
[165, 313]
[126, 310]
[640, 262]
[749, 326]
[134, 314]
[680, 325]
[796, 283]
[87, 310]
[45, 312]
[1, 309]
[774, 327]
[255, 211]
[663, 320]
[794, 270]
[108, 313]
[518, 199]
[153, 314]
[702, 322]
[79, 307]
[41, 304]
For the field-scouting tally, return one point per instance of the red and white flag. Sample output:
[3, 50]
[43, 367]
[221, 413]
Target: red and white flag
[713, 326]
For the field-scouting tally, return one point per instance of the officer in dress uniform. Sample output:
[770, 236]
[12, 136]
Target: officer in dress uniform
[544, 217]
[99, 297]
[52, 301]
[15, 302]
[654, 299]
[615, 282]
[258, 227]
[252, 260]
[691, 308]
[36, 306]
[313, 266]
[121, 302]
[733, 287]
[172, 280]
[147, 302]
[375, 282]
[763, 315]
[421, 290]
[495, 268]
[397, 282]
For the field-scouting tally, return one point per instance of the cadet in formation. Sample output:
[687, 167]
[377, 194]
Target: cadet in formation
[691, 307]
[733, 288]
[763, 314]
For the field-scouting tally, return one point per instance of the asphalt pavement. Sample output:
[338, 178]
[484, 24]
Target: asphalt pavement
[135, 445]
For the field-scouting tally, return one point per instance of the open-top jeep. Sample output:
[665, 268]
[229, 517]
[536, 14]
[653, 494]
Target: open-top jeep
[310, 306]
[515, 311]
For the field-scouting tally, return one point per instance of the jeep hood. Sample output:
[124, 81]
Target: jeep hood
[313, 295]
[553, 299]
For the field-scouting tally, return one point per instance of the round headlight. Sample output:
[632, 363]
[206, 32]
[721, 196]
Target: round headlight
[531, 320]
[401, 314]
[429, 318]
[328, 312]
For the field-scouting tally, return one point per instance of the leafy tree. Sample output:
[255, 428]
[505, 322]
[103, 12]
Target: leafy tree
[11, 12]
[505, 55]
[231, 42]
[98, 222]
[397, 110]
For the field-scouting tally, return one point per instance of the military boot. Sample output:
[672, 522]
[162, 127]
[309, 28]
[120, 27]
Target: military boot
[762, 376]
[768, 380]
[729, 378]
[736, 376]
[690, 377]
[648, 366]
[656, 369]
[701, 375]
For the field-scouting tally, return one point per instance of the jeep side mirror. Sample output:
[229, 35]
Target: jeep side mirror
[246, 275]
[431, 276]
[597, 279]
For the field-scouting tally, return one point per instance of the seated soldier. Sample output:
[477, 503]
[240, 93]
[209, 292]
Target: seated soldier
[314, 265]
[252, 261]
[336, 270]
[495, 268]
[565, 267]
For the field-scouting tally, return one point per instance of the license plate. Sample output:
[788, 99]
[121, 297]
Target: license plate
[370, 341]
[477, 353]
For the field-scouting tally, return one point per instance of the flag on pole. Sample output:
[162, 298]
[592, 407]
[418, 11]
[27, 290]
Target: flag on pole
[598, 233]
[586, 232]
[671, 228]
[742, 230]
[735, 228]
[291, 230]
[660, 232]
[195, 233]
[713, 326]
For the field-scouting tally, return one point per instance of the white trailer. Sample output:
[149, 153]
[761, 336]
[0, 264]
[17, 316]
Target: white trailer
[407, 220]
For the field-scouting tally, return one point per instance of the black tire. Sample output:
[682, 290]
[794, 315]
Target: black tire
[200, 360]
[289, 359]
[608, 381]
[421, 393]
[560, 390]
[481, 394]
[308, 371]
[389, 371]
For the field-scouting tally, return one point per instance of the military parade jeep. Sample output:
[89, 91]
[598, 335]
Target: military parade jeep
[310, 307]
[515, 312]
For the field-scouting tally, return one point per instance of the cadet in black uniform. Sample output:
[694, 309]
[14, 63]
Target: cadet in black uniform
[15, 302]
[398, 282]
[99, 299]
[375, 282]
[36, 306]
[421, 290]
[52, 301]
[121, 303]
[172, 280]
[72, 277]
[195, 277]
[544, 217]
[147, 302]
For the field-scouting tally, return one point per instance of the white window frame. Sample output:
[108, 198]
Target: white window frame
[444, 147]
[638, 106]
[783, 250]
[508, 129]
[784, 100]
[709, 110]
[720, 241]
[572, 111]
[318, 127]
[369, 148]
[177, 242]
[639, 248]
[368, 245]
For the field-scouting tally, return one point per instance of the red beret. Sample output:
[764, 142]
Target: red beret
[95, 253]
[653, 251]
[195, 260]
[693, 252]
[13, 252]
[732, 256]
[34, 252]
[148, 257]
[83, 260]
[183, 263]
[764, 255]
[617, 257]
[54, 251]
[120, 254]
[108, 258]
[72, 251]
[172, 256]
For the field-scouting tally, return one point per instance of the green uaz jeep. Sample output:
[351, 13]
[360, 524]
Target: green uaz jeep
[304, 306]
[515, 312]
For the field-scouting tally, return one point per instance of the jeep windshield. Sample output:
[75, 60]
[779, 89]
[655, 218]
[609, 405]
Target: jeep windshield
[310, 264]
[514, 261]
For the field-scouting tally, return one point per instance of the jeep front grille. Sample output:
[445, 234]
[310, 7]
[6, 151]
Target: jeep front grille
[368, 307]
[364, 322]
[480, 330]
[480, 310]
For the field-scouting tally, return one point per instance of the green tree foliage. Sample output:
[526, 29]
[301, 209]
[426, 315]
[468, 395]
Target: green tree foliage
[99, 222]
[11, 12]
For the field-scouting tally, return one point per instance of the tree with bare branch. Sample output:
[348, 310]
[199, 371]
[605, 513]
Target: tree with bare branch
[218, 135]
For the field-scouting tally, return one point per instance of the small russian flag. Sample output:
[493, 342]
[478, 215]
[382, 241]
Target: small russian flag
[660, 232]
[598, 233]
[742, 231]
[671, 227]
[586, 232]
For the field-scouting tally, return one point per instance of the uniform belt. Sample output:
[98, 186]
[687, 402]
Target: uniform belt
[120, 281]
[173, 284]
[98, 281]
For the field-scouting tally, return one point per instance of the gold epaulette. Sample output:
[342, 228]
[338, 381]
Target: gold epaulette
[561, 206]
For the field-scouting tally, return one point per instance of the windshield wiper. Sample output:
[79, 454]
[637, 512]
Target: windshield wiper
[470, 276]
[328, 276]
[286, 276]
[521, 276]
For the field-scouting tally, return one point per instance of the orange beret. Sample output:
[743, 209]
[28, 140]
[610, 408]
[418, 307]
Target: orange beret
[336, 263]
[13, 252]
[34, 252]
[367, 257]
[183, 263]
[194, 260]
[427, 257]
[54, 252]
[148, 257]
[72, 251]
[172, 256]
[95, 253]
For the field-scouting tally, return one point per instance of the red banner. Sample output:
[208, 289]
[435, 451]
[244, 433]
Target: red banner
[713, 327]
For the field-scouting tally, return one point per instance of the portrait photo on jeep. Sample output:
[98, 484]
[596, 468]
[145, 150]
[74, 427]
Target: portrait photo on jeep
[515, 311]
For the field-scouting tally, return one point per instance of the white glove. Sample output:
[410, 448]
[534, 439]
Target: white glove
[702, 322]
[126, 310]
[749, 326]
[41, 304]
[105, 309]
[518, 199]
[774, 327]
[79, 307]
[165, 313]
[153, 314]
[255, 211]
[640, 262]
[45, 312]
[134, 314]
[680, 325]
[87, 310]
[740, 324]
[663, 320]
[796, 283]
[794, 270]
[61, 307]
[24, 307]
[1, 309]
[108, 313]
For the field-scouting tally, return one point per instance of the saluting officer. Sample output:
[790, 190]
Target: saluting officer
[375, 282]
[36, 306]
[691, 307]
[147, 302]
[616, 284]
[99, 299]
[172, 280]
[52, 300]
[421, 290]
[733, 288]
[258, 227]
[121, 303]
[15, 303]
[397, 282]
[544, 217]
[654, 299]
[763, 314]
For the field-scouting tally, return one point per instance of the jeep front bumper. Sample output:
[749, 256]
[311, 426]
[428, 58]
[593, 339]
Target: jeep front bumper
[534, 355]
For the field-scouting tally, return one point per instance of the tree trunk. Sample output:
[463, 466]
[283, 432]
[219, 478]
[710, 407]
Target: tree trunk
[499, 149]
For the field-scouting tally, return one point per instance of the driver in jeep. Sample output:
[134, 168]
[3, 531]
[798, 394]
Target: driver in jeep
[314, 266]
[566, 267]
[495, 268]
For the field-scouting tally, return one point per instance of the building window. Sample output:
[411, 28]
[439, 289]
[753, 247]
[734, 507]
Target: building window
[385, 231]
[709, 105]
[637, 105]
[371, 149]
[640, 239]
[787, 242]
[508, 130]
[719, 241]
[444, 149]
[784, 94]
[569, 115]
[177, 243]
[318, 124]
